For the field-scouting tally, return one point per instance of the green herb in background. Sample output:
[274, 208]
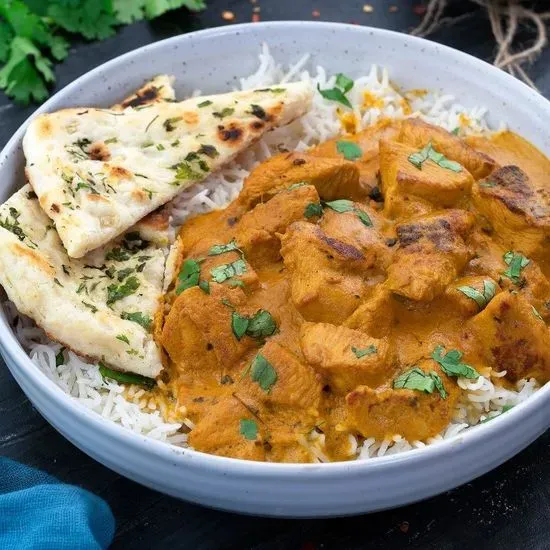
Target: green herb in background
[35, 33]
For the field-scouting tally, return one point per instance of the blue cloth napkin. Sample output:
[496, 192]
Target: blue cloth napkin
[39, 512]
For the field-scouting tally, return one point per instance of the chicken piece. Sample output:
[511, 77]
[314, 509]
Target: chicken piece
[347, 358]
[348, 228]
[517, 209]
[513, 338]
[211, 225]
[375, 315]
[367, 140]
[197, 333]
[408, 189]
[294, 387]
[255, 232]
[333, 178]
[227, 429]
[328, 276]
[383, 412]
[417, 134]
[431, 253]
[469, 295]
[507, 148]
[230, 268]
[532, 283]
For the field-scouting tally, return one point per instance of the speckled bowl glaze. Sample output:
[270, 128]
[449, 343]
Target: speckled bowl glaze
[212, 60]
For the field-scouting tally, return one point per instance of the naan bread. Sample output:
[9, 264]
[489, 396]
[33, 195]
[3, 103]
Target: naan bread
[98, 171]
[68, 297]
[101, 306]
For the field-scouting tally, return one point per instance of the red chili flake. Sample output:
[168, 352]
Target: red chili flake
[255, 17]
[316, 13]
[353, 22]
[228, 15]
[404, 527]
[393, 9]
[419, 9]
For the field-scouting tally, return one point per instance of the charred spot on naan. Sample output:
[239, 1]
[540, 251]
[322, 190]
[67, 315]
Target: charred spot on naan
[139, 195]
[99, 151]
[231, 134]
[158, 220]
[148, 94]
[119, 172]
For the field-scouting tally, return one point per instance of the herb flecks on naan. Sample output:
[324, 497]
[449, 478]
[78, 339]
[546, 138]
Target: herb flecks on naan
[101, 306]
[98, 171]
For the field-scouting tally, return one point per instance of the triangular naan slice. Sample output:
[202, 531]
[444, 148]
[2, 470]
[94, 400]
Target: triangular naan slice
[98, 171]
[101, 306]
[68, 297]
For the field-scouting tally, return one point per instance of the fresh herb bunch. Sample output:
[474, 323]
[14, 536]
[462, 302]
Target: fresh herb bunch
[34, 34]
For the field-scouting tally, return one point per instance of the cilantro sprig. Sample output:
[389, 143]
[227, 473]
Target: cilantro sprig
[34, 35]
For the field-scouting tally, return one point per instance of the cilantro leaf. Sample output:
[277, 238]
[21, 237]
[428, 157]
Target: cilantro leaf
[360, 353]
[188, 275]
[313, 209]
[334, 94]
[349, 149]
[418, 380]
[92, 19]
[239, 325]
[127, 377]
[515, 262]
[227, 271]
[344, 82]
[261, 325]
[262, 371]
[481, 298]
[138, 317]
[451, 365]
[428, 152]
[248, 429]
[344, 205]
[117, 292]
[60, 358]
[218, 249]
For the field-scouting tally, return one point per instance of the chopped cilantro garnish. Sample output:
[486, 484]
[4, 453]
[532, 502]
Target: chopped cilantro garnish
[204, 103]
[481, 298]
[262, 372]
[451, 365]
[349, 149]
[344, 205]
[313, 209]
[418, 380]
[342, 86]
[223, 248]
[188, 276]
[127, 377]
[360, 353]
[227, 271]
[515, 262]
[417, 159]
[248, 429]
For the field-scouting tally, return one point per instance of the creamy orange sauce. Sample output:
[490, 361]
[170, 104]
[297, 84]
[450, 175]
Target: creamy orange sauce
[358, 293]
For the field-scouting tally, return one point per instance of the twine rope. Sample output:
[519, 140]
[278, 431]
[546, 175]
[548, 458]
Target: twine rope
[507, 19]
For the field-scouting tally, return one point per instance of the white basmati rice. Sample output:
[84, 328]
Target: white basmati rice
[373, 96]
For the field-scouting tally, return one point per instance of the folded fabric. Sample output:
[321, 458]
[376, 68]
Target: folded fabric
[39, 512]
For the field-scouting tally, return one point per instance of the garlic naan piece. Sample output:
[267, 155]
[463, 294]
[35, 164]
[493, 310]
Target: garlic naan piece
[98, 171]
[68, 297]
[101, 306]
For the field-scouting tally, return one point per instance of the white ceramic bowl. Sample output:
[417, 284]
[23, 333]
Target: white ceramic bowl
[211, 60]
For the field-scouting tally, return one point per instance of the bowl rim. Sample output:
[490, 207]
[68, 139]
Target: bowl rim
[164, 450]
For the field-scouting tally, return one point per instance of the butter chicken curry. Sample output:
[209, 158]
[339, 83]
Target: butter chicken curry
[347, 288]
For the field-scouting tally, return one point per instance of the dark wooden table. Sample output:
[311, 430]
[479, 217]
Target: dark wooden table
[507, 508]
